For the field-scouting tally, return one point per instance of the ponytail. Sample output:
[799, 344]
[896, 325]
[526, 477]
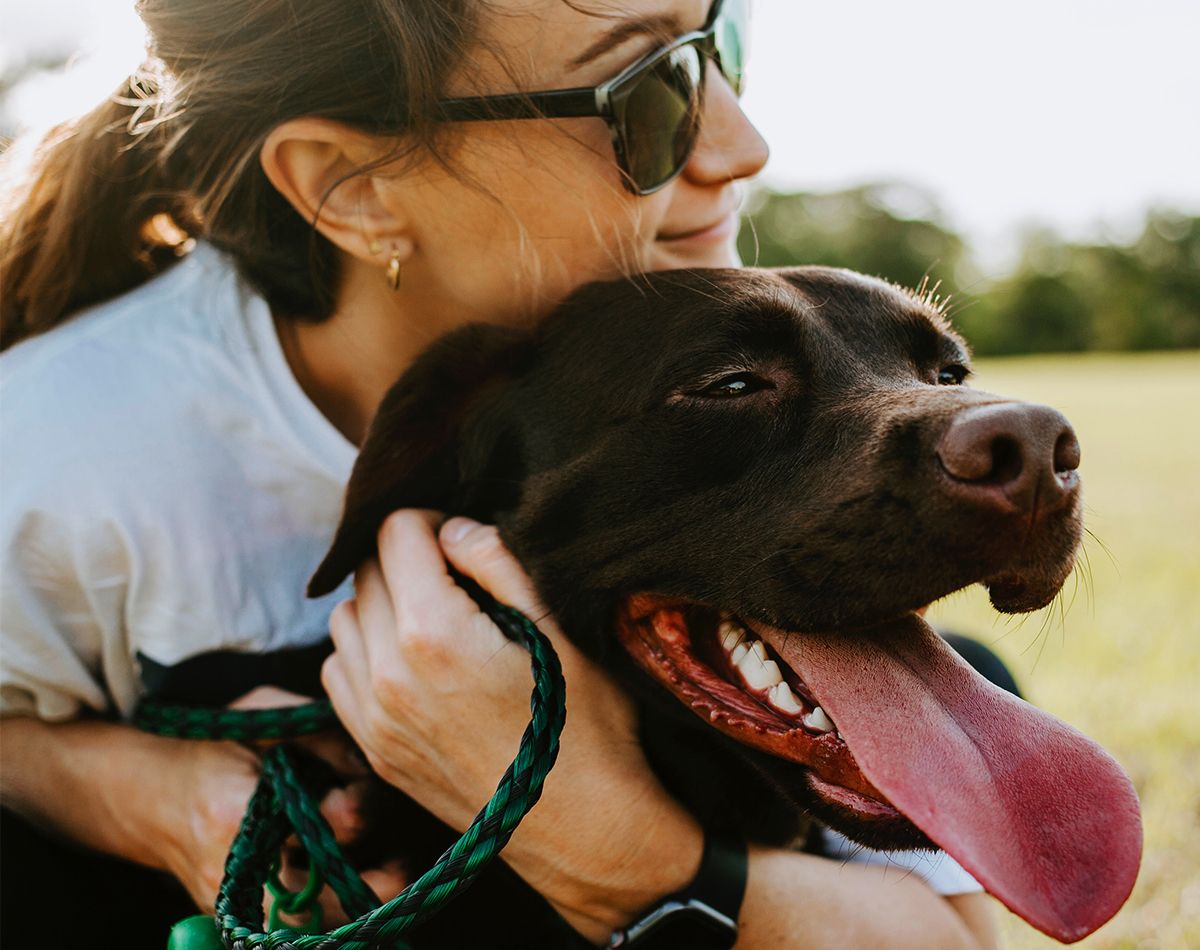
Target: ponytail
[112, 198]
[96, 215]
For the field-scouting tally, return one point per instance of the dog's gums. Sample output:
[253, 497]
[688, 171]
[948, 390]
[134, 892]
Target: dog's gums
[731, 679]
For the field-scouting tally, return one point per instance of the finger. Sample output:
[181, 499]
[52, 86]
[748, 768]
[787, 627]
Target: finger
[427, 604]
[269, 697]
[292, 870]
[386, 881]
[350, 652]
[344, 674]
[332, 914]
[378, 634]
[343, 808]
[337, 751]
[412, 562]
[477, 551]
[347, 699]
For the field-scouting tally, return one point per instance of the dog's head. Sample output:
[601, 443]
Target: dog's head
[735, 488]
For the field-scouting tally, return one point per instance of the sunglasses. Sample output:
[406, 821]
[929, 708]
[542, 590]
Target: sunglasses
[653, 107]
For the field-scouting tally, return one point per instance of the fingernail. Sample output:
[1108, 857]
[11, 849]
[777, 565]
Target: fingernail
[456, 529]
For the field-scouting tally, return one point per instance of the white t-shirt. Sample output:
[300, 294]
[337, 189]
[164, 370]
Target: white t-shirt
[166, 489]
[936, 868]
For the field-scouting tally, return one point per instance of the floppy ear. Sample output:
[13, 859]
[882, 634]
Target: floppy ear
[412, 456]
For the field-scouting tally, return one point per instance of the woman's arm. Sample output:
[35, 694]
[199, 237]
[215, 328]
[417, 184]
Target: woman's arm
[418, 668]
[170, 804]
[802, 901]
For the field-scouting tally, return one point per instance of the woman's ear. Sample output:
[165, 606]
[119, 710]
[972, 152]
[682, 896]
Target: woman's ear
[316, 165]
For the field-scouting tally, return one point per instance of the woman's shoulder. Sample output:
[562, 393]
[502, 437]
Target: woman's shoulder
[192, 306]
[164, 369]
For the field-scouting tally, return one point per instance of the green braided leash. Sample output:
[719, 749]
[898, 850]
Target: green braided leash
[280, 807]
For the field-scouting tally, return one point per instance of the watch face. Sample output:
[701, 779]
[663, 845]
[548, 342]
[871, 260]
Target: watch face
[674, 926]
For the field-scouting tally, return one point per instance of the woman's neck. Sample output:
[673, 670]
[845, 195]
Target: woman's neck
[347, 362]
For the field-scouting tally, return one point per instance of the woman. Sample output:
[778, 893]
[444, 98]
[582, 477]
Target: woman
[192, 433]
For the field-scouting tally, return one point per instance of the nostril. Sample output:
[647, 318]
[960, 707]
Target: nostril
[1066, 452]
[1012, 454]
[1006, 460]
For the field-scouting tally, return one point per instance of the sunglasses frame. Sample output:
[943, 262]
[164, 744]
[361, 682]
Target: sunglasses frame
[600, 101]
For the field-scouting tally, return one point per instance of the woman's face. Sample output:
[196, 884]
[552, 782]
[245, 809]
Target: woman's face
[537, 206]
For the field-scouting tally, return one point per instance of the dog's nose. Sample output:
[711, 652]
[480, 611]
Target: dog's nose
[1026, 453]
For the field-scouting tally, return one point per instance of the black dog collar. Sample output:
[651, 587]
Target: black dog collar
[702, 916]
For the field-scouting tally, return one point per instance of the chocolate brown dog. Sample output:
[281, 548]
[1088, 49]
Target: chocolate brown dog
[734, 488]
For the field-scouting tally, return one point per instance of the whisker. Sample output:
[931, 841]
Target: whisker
[1088, 581]
[749, 219]
[1103, 547]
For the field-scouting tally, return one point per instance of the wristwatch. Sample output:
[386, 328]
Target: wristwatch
[702, 916]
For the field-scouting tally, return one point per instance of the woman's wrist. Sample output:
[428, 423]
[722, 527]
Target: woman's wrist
[210, 783]
[156, 801]
[624, 855]
[103, 784]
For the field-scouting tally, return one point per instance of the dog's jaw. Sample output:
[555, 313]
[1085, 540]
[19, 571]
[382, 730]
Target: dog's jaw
[1046, 809]
[680, 646]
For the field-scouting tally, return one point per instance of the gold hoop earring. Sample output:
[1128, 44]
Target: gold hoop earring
[393, 271]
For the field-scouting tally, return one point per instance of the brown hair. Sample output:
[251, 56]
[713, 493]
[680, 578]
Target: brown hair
[173, 154]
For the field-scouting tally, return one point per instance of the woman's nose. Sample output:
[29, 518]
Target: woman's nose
[729, 146]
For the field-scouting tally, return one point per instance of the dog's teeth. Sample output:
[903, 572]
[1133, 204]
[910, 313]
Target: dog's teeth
[759, 649]
[757, 673]
[757, 677]
[819, 721]
[782, 698]
[744, 658]
[731, 634]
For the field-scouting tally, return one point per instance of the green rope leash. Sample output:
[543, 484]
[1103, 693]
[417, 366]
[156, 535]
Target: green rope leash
[280, 806]
[239, 725]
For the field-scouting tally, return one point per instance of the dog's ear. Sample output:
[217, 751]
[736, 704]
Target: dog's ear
[413, 455]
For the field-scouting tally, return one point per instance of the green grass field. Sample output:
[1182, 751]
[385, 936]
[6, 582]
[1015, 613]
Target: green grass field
[1119, 656]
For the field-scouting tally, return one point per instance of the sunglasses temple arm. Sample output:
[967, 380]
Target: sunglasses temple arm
[559, 104]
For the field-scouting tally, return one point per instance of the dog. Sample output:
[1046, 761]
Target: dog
[735, 489]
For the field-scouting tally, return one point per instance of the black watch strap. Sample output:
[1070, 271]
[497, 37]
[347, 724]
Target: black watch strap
[707, 909]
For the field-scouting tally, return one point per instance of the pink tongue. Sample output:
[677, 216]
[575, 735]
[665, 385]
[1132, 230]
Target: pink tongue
[1042, 816]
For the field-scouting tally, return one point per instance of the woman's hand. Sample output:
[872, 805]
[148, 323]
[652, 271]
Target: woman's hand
[214, 782]
[170, 804]
[437, 698]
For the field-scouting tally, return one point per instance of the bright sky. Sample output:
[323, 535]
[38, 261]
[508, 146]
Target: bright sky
[1078, 114]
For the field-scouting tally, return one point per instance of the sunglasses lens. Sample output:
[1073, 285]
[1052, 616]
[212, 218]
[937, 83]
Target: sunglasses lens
[729, 36]
[659, 117]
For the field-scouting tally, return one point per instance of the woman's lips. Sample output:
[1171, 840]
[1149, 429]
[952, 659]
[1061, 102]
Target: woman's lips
[720, 230]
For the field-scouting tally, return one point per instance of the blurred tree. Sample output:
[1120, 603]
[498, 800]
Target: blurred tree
[890, 230]
[1060, 297]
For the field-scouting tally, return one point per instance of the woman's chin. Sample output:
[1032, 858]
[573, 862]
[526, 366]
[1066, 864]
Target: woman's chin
[672, 255]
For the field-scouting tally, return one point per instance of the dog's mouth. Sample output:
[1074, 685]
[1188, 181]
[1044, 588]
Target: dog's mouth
[728, 675]
[896, 732]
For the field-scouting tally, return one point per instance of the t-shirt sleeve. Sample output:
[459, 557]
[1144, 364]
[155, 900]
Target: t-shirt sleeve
[62, 590]
[941, 872]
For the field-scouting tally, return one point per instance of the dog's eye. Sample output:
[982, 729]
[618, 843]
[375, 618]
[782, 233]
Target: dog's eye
[737, 384]
[952, 375]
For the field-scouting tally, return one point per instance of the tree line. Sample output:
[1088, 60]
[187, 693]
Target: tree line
[1060, 296]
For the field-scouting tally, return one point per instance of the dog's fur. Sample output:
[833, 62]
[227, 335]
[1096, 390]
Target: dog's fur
[762, 442]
